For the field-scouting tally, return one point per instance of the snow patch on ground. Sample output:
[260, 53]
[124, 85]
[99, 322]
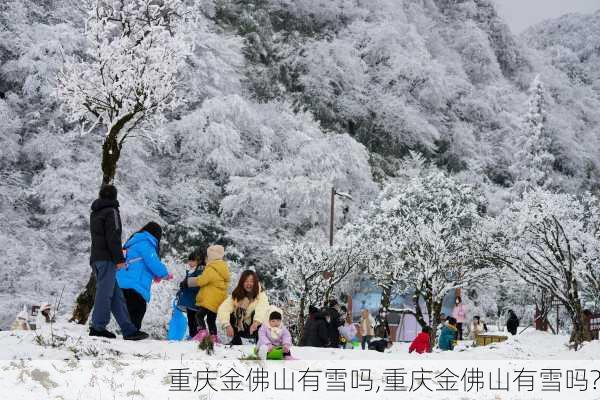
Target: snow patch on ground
[65, 363]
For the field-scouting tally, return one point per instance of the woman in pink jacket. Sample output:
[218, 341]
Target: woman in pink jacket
[274, 334]
[460, 314]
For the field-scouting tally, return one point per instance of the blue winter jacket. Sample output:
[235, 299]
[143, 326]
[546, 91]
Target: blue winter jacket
[447, 338]
[143, 264]
[186, 298]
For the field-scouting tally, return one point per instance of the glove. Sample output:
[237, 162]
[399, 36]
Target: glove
[169, 277]
[156, 279]
[269, 348]
[184, 284]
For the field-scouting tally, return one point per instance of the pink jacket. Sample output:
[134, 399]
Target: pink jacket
[265, 339]
[459, 313]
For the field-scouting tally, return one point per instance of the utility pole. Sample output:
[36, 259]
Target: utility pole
[331, 226]
[331, 216]
[332, 211]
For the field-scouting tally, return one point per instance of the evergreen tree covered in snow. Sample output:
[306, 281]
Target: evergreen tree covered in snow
[533, 159]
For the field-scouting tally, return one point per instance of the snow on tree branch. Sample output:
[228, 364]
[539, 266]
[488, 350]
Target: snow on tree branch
[128, 76]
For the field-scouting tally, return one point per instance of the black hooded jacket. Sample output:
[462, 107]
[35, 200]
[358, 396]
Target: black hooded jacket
[105, 228]
[512, 324]
[315, 331]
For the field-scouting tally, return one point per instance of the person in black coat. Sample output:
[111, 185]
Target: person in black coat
[334, 321]
[381, 340]
[512, 323]
[315, 332]
[106, 258]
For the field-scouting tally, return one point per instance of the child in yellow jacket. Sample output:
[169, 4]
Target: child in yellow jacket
[213, 284]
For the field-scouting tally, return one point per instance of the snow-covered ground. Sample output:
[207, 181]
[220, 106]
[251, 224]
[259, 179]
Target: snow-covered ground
[79, 367]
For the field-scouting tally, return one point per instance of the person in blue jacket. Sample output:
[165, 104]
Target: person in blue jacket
[186, 298]
[142, 266]
[449, 334]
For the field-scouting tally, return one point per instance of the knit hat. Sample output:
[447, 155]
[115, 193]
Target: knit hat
[108, 192]
[275, 315]
[215, 252]
[154, 229]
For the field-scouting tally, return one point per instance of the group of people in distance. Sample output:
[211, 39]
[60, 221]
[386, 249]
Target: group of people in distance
[450, 329]
[333, 327]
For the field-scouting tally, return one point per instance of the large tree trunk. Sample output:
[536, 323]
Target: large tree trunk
[435, 321]
[301, 321]
[579, 334]
[386, 295]
[111, 151]
[418, 311]
[85, 302]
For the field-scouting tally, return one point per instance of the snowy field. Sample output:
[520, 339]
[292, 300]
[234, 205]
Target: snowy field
[80, 367]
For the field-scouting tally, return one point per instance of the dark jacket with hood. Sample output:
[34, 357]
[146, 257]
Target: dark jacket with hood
[105, 228]
[316, 332]
[335, 321]
[512, 324]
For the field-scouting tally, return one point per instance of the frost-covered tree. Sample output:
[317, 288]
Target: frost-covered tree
[421, 236]
[127, 79]
[311, 273]
[533, 159]
[548, 241]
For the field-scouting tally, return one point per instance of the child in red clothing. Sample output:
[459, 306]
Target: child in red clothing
[421, 342]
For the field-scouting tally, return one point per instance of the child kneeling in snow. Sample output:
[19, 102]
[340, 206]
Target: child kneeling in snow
[273, 334]
[421, 342]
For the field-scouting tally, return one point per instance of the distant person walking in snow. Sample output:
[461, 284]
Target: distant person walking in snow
[143, 266]
[105, 259]
[315, 333]
[512, 323]
[186, 298]
[213, 283]
[242, 313]
[366, 326]
[459, 313]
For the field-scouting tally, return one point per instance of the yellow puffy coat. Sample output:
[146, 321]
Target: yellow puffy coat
[260, 306]
[213, 283]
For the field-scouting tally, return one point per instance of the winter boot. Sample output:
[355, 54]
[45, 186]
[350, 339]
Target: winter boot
[139, 335]
[102, 333]
[202, 333]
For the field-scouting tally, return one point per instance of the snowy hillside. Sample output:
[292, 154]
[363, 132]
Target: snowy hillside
[283, 100]
[83, 367]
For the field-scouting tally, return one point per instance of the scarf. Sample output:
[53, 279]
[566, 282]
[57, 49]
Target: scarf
[275, 332]
[240, 313]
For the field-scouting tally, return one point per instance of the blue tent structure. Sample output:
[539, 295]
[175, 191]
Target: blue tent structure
[369, 296]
